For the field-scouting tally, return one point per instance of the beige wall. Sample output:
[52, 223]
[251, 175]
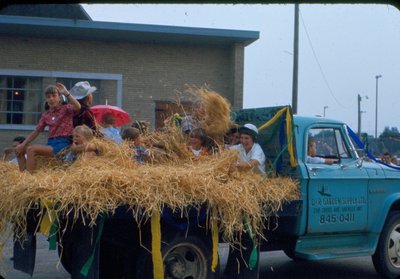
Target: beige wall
[150, 72]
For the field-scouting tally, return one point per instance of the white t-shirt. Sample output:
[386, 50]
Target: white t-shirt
[255, 153]
[195, 152]
[315, 160]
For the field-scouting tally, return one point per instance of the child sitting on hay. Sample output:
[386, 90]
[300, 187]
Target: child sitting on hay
[197, 143]
[142, 126]
[58, 117]
[82, 136]
[109, 131]
[133, 138]
[232, 138]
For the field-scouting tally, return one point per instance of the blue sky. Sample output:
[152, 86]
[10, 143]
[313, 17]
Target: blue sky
[342, 49]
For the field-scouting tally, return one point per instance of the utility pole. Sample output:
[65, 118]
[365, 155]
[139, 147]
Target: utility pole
[325, 107]
[359, 115]
[295, 58]
[376, 106]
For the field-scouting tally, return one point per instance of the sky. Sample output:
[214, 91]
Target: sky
[342, 48]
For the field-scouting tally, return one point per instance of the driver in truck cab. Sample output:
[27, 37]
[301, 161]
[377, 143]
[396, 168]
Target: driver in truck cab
[312, 155]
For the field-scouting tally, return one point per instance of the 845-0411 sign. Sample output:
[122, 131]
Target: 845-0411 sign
[338, 207]
[334, 218]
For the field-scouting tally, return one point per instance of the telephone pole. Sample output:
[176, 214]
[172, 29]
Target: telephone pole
[359, 115]
[376, 106]
[325, 107]
[295, 58]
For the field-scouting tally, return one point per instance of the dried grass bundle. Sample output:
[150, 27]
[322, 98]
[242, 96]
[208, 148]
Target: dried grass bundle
[106, 182]
[216, 121]
[168, 145]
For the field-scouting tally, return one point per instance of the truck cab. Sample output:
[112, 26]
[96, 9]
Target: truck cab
[347, 208]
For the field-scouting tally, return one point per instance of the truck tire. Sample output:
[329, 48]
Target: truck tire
[386, 258]
[183, 257]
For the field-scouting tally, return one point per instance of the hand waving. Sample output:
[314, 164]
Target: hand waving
[62, 89]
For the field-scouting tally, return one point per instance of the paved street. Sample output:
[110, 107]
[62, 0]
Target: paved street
[276, 265]
[273, 265]
[46, 267]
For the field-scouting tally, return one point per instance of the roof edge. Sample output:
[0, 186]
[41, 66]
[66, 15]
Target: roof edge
[240, 35]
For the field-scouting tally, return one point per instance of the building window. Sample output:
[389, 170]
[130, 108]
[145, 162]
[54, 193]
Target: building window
[70, 82]
[165, 109]
[21, 100]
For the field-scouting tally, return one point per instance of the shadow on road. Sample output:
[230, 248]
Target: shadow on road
[277, 265]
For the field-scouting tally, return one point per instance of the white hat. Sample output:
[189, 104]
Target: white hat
[81, 89]
[249, 129]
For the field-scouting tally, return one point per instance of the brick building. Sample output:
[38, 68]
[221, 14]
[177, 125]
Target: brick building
[141, 68]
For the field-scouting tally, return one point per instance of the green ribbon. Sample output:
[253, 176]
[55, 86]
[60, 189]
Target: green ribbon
[254, 254]
[53, 235]
[86, 267]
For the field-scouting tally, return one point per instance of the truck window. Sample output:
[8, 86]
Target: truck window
[329, 143]
[343, 150]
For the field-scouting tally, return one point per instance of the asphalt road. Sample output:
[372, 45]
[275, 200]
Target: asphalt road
[278, 265]
[273, 265]
[47, 264]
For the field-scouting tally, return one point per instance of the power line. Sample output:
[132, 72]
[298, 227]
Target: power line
[320, 67]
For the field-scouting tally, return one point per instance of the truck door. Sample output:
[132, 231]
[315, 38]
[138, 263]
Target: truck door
[337, 192]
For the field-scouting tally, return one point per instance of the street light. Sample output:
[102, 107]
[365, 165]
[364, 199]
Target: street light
[325, 107]
[359, 113]
[376, 106]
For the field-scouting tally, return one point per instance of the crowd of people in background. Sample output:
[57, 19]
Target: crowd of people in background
[72, 127]
[388, 159]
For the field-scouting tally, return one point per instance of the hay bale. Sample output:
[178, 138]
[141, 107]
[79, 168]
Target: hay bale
[171, 178]
[112, 180]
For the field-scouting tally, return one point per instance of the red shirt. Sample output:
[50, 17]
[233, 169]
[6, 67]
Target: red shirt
[59, 120]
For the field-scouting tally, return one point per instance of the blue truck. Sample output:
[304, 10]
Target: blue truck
[347, 208]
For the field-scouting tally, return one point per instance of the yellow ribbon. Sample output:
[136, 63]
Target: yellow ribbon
[214, 234]
[290, 138]
[273, 119]
[289, 131]
[48, 218]
[158, 267]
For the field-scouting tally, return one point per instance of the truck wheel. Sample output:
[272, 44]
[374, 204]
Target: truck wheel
[183, 257]
[386, 258]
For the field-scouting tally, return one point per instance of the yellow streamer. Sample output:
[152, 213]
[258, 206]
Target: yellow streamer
[214, 234]
[289, 131]
[273, 119]
[158, 267]
[48, 218]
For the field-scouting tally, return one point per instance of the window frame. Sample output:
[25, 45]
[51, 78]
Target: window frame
[59, 74]
[349, 147]
[13, 88]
